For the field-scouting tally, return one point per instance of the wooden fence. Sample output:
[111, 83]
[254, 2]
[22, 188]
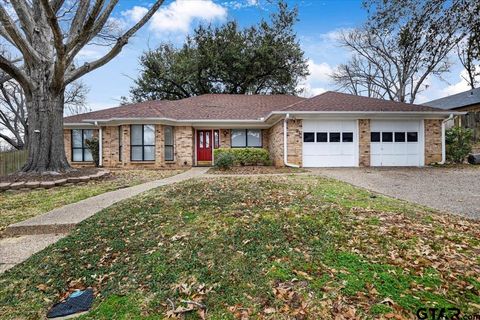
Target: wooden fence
[472, 121]
[11, 161]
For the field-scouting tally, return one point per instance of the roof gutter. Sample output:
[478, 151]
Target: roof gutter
[285, 146]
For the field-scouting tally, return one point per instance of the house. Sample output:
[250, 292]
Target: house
[468, 101]
[329, 130]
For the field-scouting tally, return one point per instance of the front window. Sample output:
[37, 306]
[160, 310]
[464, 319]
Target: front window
[120, 143]
[242, 138]
[142, 142]
[168, 131]
[80, 152]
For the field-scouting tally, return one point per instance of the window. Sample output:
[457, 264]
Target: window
[242, 138]
[375, 136]
[322, 137]
[216, 139]
[168, 136]
[120, 143]
[142, 142]
[80, 152]
[308, 137]
[387, 137]
[334, 136]
[347, 137]
[412, 136]
[399, 136]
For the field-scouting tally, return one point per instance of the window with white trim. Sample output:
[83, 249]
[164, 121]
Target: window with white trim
[243, 138]
[142, 142]
[80, 152]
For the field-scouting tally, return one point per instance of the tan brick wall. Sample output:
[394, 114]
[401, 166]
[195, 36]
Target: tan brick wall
[184, 145]
[110, 145]
[225, 138]
[67, 142]
[294, 142]
[433, 141]
[275, 144]
[364, 142]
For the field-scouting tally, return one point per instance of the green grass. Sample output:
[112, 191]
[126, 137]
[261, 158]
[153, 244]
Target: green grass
[263, 247]
[18, 206]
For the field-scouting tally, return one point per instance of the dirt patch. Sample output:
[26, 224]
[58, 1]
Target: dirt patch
[256, 170]
[27, 177]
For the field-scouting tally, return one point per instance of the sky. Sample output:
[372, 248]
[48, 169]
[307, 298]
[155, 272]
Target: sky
[319, 23]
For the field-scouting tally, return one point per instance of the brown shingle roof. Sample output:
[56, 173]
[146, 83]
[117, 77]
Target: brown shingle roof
[246, 107]
[336, 101]
[204, 107]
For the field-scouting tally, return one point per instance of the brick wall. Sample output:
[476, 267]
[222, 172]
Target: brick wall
[433, 141]
[275, 143]
[294, 142]
[184, 146]
[225, 136]
[110, 145]
[364, 142]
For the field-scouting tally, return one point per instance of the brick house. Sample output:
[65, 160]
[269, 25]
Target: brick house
[329, 130]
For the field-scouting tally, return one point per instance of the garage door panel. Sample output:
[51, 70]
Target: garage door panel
[330, 154]
[396, 153]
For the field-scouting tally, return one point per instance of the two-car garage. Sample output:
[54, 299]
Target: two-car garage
[335, 143]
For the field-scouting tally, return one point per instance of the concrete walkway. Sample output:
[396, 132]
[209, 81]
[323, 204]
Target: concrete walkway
[33, 235]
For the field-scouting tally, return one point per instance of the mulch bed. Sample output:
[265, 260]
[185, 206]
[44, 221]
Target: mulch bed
[28, 177]
[257, 170]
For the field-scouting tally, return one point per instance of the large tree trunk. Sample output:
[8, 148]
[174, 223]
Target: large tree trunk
[46, 151]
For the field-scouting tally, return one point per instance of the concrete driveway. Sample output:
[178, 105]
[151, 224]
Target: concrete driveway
[454, 190]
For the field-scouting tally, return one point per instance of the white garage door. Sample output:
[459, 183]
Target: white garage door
[329, 143]
[396, 143]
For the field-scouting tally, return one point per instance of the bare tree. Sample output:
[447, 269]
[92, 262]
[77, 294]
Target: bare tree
[360, 77]
[47, 35]
[396, 64]
[403, 43]
[469, 56]
[14, 115]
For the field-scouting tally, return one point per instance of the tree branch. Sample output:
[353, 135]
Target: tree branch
[16, 73]
[20, 43]
[121, 42]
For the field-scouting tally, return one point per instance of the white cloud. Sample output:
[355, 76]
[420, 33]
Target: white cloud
[319, 72]
[458, 87]
[318, 79]
[135, 14]
[241, 4]
[180, 14]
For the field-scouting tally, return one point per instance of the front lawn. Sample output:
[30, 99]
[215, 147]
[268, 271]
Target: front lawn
[19, 206]
[297, 247]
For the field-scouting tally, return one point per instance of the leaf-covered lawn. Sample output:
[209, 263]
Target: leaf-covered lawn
[15, 207]
[259, 247]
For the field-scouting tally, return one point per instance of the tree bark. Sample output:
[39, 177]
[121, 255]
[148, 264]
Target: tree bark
[46, 150]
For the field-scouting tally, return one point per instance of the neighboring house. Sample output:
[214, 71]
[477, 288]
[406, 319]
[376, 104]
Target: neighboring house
[468, 101]
[329, 130]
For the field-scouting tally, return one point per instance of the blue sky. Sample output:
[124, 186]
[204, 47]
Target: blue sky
[319, 22]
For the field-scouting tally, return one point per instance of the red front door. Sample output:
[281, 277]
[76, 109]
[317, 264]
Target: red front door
[204, 145]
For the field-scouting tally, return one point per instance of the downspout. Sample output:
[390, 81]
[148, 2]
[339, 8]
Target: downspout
[285, 155]
[100, 149]
[444, 155]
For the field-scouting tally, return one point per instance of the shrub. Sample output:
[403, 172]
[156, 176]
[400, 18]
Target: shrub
[246, 156]
[458, 143]
[94, 147]
[224, 161]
